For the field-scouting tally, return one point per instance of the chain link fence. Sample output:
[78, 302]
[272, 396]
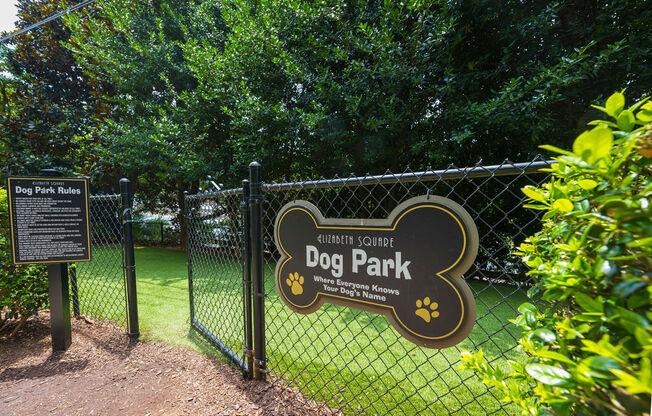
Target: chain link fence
[98, 287]
[350, 360]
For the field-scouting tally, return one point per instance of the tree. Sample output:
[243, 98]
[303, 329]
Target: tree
[378, 85]
[47, 100]
[156, 134]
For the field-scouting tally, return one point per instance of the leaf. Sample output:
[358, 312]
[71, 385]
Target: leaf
[643, 242]
[556, 149]
[532, 193]
[632, 317]
[600, 363]
[615, 104]
[563, 205]
[639, 104]
[549, 375]
[626, 121]
[588, 303]
[552, 355]
[633, 384]
[624, 289]
[527, 307]
[604, 110]
[644, 115]
[545, 335]
[602, 123]
[594, 144]
[560, 406]
[587, 184]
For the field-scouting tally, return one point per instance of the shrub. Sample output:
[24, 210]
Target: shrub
[23, 289]
[589, 340]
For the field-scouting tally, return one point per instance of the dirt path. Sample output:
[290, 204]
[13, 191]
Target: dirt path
[103, 373]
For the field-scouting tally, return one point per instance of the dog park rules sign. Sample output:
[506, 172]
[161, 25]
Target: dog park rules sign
[49, 220]
[407, 267]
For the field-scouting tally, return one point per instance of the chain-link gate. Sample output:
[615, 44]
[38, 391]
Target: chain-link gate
[348, 359]
[215, 269]
[99, 288]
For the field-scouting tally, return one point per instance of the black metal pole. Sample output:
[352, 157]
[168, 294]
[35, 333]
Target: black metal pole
[189, 225]
[246, 279]
[257, 271]
[130, 260]
[72, 270]
[60, 328]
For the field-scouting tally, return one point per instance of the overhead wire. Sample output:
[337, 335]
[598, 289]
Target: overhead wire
[46, 20]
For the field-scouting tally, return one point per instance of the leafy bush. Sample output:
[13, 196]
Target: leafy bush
[589, 340]
[23, 289]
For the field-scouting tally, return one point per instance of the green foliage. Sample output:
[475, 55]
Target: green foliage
[383, 85]
[156, 134]
[23, 289]
[204, 87]
[46, 97]
[589, 341]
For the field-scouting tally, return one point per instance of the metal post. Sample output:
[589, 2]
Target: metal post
[60, 328]
[191, 297]
[72, 270]
[161, 231]
[130, 260]
[246, 279]
[59, 306]
[257, 271]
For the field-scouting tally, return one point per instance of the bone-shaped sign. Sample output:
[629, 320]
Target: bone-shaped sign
[407, 267]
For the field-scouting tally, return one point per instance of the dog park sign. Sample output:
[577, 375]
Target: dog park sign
[407, 267]
[49, 223]
[49, 220]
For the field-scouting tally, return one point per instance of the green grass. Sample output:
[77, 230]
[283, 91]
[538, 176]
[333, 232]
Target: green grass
[162, 287]
[323, 352]
[162, 291]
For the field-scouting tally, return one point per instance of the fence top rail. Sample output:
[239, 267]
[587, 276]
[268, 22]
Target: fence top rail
[104, 196]
[216, 194]
[504, 169]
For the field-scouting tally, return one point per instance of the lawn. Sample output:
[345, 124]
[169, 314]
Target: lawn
[347, 358]
[162, 291]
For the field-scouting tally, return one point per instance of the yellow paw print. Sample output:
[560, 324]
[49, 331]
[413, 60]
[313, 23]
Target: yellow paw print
[295, 281]
[426, 309]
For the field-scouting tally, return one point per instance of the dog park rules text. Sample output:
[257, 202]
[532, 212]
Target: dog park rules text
[408, 266]
[49, 220]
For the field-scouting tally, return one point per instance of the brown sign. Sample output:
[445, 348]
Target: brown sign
[49, 220]
[407, 266]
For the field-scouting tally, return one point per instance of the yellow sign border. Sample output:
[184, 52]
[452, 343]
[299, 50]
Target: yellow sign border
[467, 256]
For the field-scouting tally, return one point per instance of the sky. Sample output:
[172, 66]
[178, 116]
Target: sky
[7, 15]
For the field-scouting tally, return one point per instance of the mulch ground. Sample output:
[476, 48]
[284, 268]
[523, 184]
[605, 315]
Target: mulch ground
[105, 373]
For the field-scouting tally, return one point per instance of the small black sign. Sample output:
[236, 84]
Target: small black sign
[407, 266]
[49, 220]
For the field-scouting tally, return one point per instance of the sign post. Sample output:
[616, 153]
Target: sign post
[50, 225]
[60, 328]
[407, 267]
